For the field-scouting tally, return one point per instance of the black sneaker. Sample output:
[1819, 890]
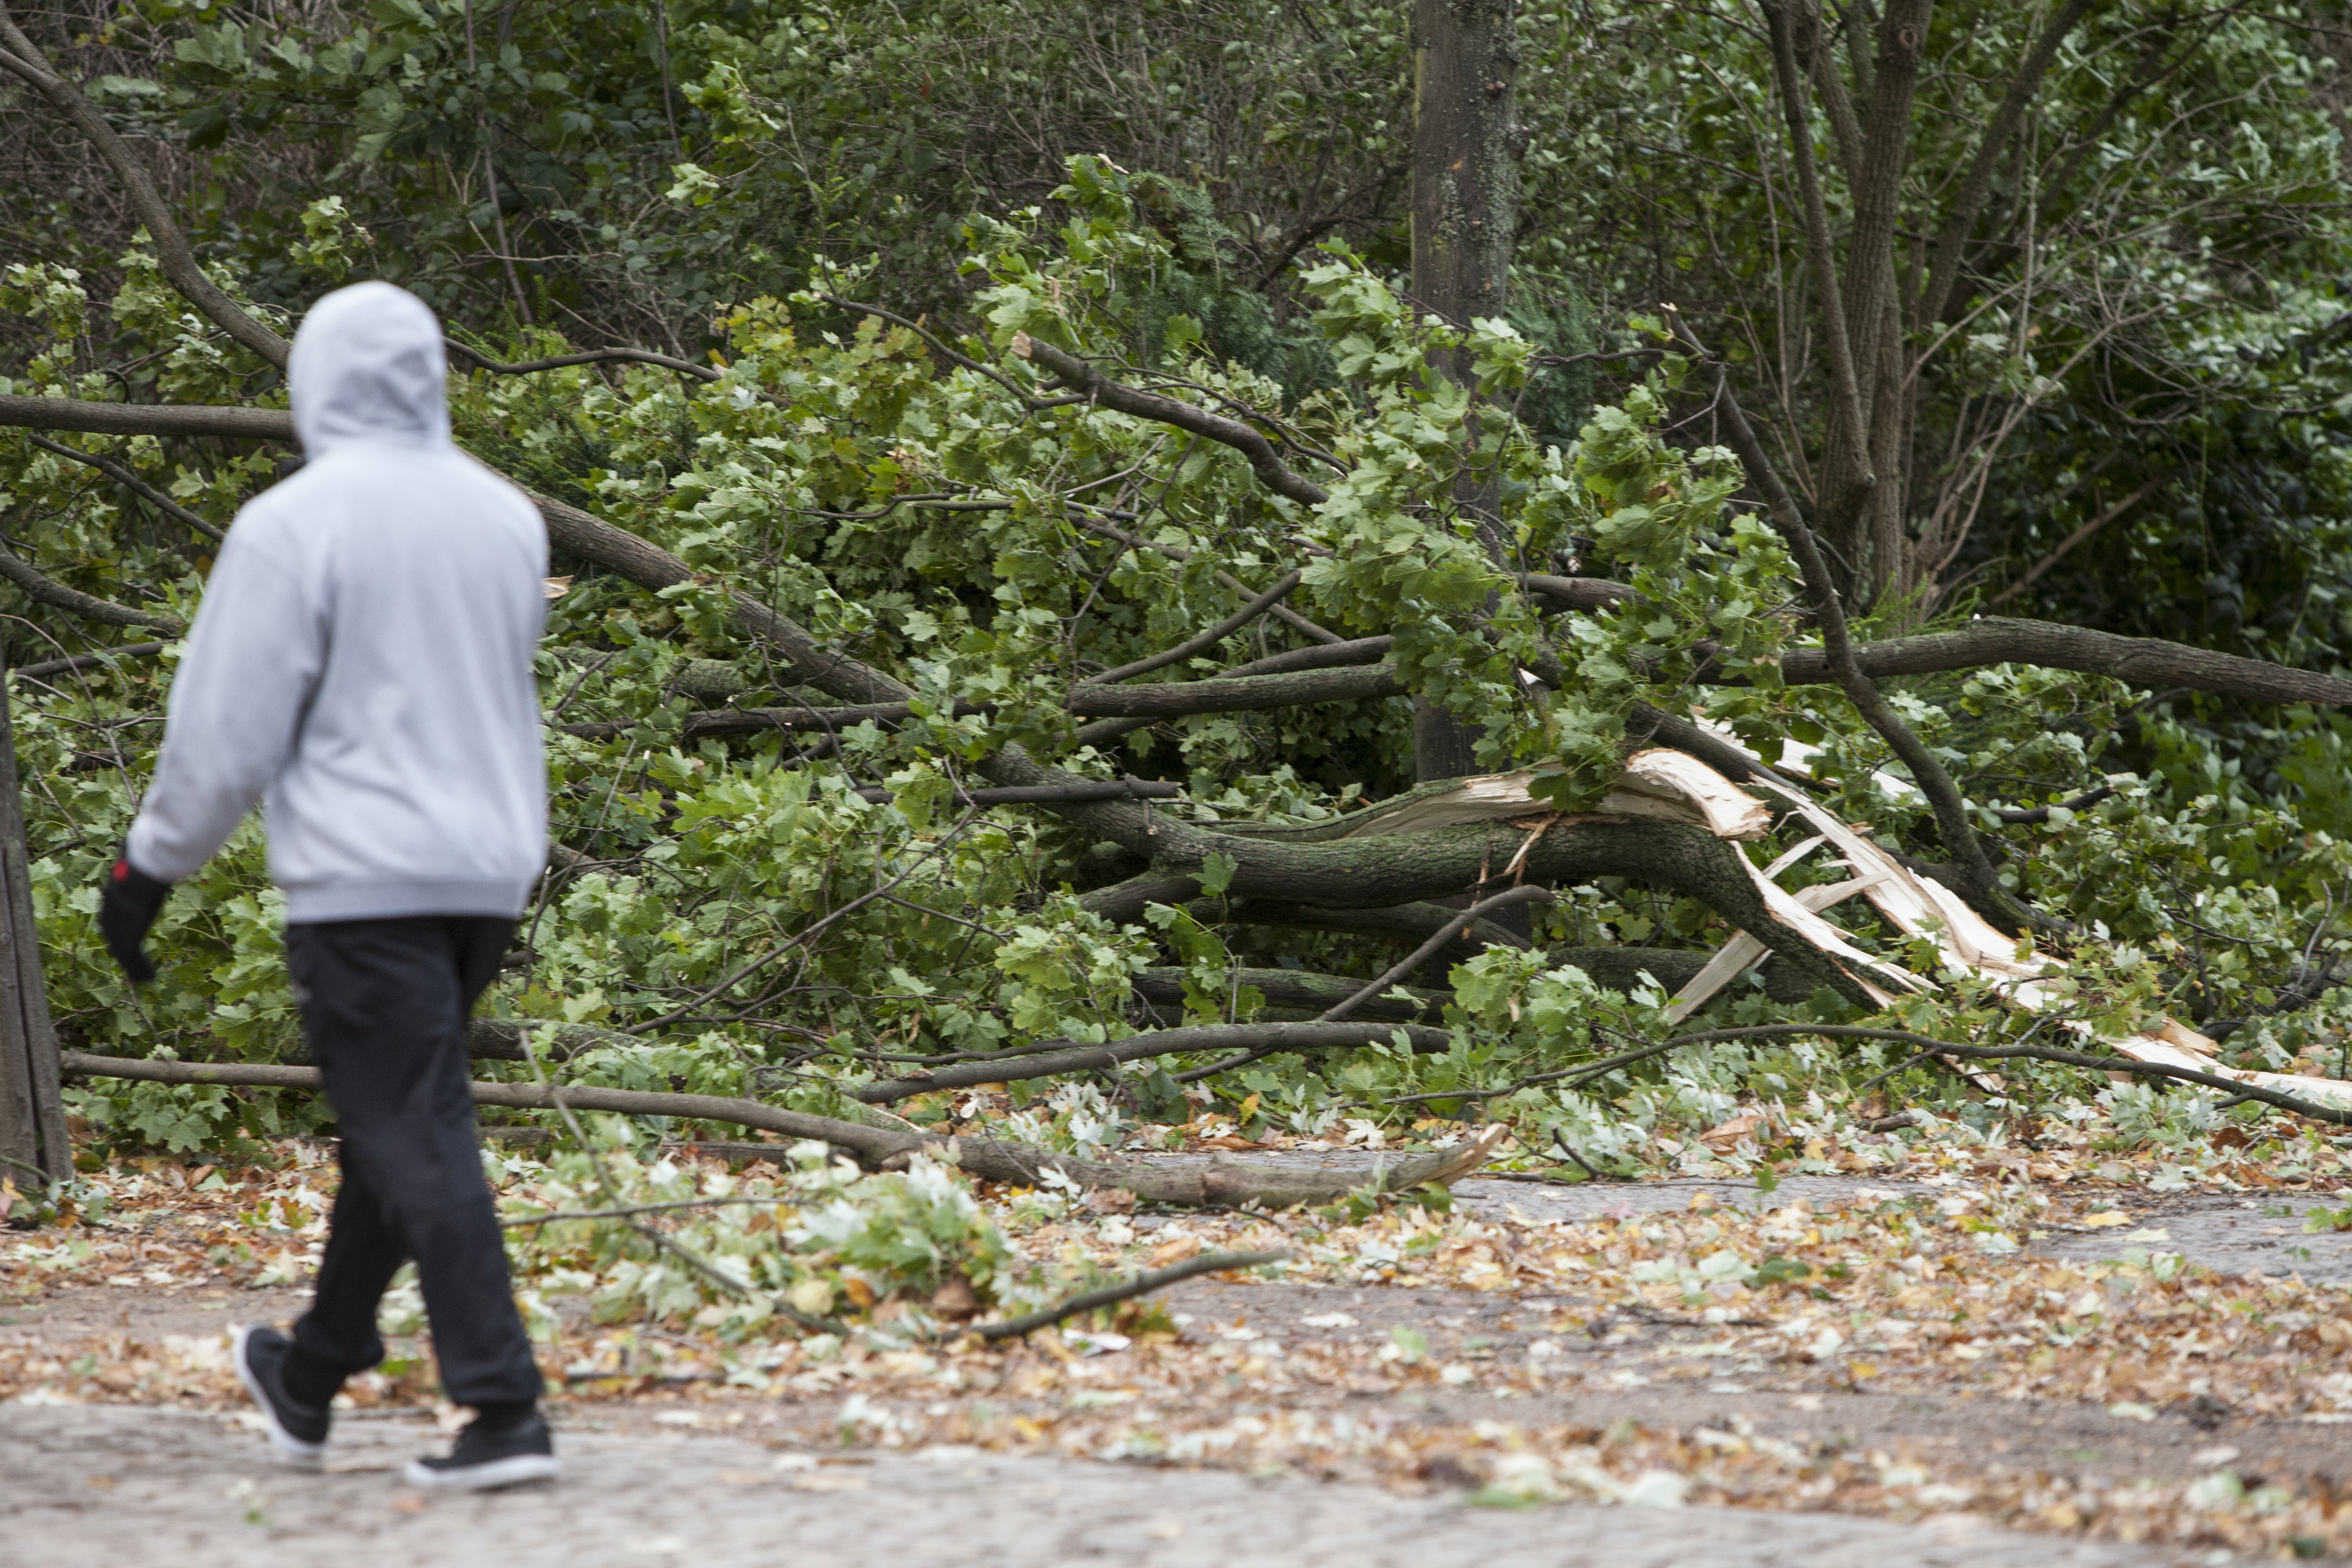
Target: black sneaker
[489, 1456]
[299, 1432]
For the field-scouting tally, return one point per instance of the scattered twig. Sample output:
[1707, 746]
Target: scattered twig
[1561, 1139]
[34, 671]
[591, 357]
[1110, 1295]
[624, 1212]
[2042, 813]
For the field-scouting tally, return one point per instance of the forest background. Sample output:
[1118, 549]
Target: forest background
[903, 382]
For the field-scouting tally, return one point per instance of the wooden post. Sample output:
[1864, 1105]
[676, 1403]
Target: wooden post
[33, 1141]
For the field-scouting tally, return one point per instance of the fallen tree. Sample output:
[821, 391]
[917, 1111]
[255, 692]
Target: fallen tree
[1144, 583]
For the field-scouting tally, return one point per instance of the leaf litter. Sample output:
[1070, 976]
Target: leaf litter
[1921, 1287]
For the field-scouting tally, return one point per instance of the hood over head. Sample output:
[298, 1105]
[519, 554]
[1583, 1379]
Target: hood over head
[368, 365]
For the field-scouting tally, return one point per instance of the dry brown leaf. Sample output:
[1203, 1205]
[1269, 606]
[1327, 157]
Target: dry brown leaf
[955, 1300]
[1175, 1252]
[1729, 1133]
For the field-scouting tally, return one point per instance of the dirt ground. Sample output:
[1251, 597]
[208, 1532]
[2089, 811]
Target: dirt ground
[693, 1471]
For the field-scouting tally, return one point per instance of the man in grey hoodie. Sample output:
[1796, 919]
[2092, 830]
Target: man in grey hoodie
[362, 665]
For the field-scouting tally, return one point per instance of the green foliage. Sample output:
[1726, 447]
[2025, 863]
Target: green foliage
[1221, 224]
[820, 1238]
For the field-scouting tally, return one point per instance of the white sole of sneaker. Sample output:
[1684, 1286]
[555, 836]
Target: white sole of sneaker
[290, 1449]
[513, 1472]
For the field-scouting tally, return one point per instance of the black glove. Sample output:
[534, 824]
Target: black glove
[127, 905]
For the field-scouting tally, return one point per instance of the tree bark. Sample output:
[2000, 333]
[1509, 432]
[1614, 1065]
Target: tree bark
[2141, 660]
[1058, 1057]
[1465, 214]
[33, 1139]
[1466, 157]
[1301, 990]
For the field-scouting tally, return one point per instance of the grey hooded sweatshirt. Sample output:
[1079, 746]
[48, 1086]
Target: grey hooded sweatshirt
[362, 663]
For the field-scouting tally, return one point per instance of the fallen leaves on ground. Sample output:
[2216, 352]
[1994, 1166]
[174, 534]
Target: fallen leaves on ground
[1925, 1286]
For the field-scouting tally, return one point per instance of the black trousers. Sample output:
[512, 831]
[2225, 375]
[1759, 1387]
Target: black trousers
[384, 1003]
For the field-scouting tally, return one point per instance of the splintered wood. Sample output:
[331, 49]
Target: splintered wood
[1919, 907]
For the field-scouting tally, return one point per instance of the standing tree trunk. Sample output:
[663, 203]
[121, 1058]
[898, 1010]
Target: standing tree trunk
[1465, 213]
[33, 1139]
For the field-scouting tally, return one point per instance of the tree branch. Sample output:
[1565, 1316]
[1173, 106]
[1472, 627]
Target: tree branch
[1111, 1295]
[1208, 639]
[1282, 613]
[73, 601]
[2140, 660]
[1396, 922]
[1952, 240]
[1576, 592]
[1231, 694]
[197, 420]
[89, 661]
[1990, 641]
[1819, 247]
[1302, 989]
[591, 357]
[133, 483]
[1877, 183]
[2093, 1062]
[1982, 882]
[1083, 378]
[1047, 1062]
[1219, 1180]
[179, 262]
[1451, 931]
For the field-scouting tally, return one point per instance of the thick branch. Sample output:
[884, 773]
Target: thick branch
[1576, 592]
[2140, 660]
[1821, 64]
[760, 720]
[1820, 248]
[1192, 1183]
[73, 601]
[89, 661]
[197, 420]
[1322, 656]
[1232, 694]
[1401, 867]
[1395, 923]
[1080, 1058]
[1076, 793]
[1877, 184]
[1298, 989]
[1927, 771]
